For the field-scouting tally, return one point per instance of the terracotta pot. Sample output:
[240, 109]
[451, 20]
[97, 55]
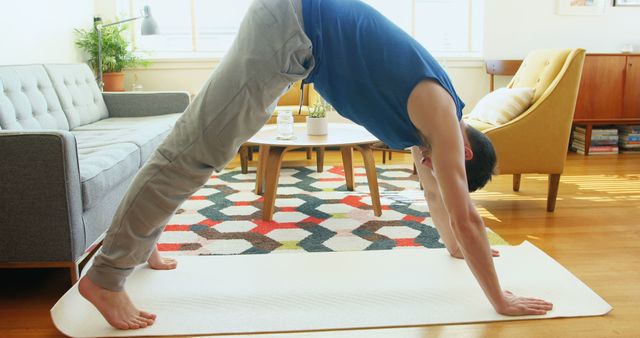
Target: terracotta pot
[317, 126]
[113, 82]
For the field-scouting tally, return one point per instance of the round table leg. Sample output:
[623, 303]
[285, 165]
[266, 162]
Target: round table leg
[262, 160]
[347, 162]
[320, 159]
[273, 161]
[244, 159]
[372, 177]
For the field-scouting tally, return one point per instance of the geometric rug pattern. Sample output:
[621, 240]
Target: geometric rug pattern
[314, 212]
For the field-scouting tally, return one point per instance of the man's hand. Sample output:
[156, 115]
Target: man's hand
[519, 306]
[457, 253]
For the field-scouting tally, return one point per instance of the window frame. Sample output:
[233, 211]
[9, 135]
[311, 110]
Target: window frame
[474, 37]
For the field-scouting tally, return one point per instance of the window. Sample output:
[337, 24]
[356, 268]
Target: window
[208, 27]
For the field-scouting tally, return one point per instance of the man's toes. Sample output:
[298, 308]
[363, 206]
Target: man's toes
[120, 324]
[133, 325]
[147, 321]
[141, 323]
[147, 315]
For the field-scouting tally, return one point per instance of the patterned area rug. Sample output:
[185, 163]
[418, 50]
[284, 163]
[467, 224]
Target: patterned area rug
[314, 212]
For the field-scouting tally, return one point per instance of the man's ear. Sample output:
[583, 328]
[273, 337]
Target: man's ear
[468, 152]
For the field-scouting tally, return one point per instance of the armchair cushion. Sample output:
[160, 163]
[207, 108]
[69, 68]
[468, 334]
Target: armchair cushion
[502, 105]
[539, 70]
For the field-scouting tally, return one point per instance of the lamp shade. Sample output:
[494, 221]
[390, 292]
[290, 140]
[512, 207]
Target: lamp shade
[149, 24]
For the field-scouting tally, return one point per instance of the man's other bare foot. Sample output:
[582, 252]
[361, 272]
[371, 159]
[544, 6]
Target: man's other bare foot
[158, 262]
[115, 306]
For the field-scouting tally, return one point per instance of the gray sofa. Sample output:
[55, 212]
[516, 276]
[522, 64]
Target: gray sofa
[67, 155]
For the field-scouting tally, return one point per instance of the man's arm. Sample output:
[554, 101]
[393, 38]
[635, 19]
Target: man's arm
[437, 209]
[432, 110]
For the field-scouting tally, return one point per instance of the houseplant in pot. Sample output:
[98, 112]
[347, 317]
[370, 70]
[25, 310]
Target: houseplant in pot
[116, 54]
[317, 123]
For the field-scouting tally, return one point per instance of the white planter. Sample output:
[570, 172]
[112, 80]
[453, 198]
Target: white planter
[317, 126]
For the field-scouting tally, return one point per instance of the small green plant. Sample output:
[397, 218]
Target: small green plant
[319, 110]
[116, 54]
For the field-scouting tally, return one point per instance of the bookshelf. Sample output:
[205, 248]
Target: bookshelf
[609, 94]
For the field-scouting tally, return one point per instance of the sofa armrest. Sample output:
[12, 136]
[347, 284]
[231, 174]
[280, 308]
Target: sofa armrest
[138, 104]
[40, 203]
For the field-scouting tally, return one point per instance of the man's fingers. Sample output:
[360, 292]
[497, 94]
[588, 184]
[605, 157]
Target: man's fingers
[537, 312]
[539, 307]
[536, 300]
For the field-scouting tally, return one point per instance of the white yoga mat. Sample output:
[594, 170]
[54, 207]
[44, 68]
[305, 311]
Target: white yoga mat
[319, 291]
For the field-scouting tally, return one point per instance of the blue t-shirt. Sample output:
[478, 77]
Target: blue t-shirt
[366, 67]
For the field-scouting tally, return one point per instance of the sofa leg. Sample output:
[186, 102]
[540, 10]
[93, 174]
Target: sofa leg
[244, 159]
[554, 183]
[516, 182]
[384, 157]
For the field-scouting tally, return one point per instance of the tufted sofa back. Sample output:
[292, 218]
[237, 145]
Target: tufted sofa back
[28, 100]
[57, 96]
[78, 92]
[539, 69]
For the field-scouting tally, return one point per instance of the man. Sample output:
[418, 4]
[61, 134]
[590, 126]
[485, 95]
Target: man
[367, 68]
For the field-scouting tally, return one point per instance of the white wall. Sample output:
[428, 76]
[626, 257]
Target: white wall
[514, 27]
[41, 31]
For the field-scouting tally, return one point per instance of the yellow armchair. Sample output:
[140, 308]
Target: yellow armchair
[537, 141]
[291, 101]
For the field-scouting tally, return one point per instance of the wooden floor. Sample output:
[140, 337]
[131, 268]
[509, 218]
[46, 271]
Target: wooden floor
[594, 232]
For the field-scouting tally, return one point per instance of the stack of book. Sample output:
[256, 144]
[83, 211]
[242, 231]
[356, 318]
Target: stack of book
[629, 139]
[603, 140]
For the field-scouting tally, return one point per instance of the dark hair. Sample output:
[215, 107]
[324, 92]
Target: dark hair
[481, 167]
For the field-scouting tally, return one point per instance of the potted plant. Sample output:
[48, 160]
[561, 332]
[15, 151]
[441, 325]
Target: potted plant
[116, 54]
[317, 123]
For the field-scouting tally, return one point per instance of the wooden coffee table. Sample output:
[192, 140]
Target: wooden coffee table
[344, 135]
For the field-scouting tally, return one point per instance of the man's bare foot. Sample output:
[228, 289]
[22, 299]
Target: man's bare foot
[158, 262]
[115, 306]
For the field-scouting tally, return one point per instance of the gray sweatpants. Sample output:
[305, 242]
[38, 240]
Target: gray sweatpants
[270, 52]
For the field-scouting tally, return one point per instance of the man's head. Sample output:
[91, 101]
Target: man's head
[481, 166]
[479, 154]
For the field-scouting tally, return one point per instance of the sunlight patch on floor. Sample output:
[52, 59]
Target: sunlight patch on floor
[500, 196]
[617, 187]
[484, 213]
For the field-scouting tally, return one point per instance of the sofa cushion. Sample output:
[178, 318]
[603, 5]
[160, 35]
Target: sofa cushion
[79, 94]
[103, 166]
[145, 132]
[28, 100]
